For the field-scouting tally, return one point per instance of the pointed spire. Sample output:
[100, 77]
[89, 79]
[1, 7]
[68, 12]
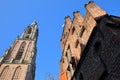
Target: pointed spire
[34, 23]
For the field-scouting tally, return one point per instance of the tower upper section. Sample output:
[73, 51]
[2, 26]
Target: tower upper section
[18, 61]
[31, 32]
[23, 49]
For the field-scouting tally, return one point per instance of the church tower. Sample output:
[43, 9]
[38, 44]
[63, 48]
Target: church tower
[18, 62]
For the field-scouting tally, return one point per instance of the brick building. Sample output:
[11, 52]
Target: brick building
[81, 37]
[18, 61]
[100, 59]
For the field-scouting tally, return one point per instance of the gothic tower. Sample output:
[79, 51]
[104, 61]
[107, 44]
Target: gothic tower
[18, 62]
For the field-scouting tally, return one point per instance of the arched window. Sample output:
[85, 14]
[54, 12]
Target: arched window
[20, 51]
[73, 62]
[11, 52]
[17, 73]
[77, 44]
[73, 30]
[4, 73]
[29, 30]
[82, 31]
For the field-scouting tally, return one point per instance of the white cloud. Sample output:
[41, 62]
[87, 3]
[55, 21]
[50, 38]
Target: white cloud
[63, 25]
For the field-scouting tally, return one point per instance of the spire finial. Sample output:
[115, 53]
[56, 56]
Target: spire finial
[34, 23]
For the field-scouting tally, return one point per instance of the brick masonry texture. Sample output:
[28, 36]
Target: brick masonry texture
[100, 59]
[90, 46]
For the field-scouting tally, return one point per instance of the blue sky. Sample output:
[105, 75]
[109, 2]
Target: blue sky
[16, 15]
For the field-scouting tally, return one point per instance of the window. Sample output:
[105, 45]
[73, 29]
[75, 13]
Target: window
[20, 51]
[68, 68]
[82, 31]
[12, 50]
[4, 73]
[77, 44]
[28, 33]
[22, 45]
[69, 71]
[73, 30]
[17, 73]
[29, 30]
[27, 37]
[68, 54]
[73, 62]
[69, 30]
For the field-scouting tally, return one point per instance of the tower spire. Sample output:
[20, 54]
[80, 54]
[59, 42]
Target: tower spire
[18, 61]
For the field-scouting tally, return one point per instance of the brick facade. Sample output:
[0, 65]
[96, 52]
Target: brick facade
[75, 36]
[101, 56]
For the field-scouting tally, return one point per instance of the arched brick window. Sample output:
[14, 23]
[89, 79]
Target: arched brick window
[82, 31]
[77, 44]
[28, 32]
[17, 73]
[73, 30]
[20, 51]
[4, 73]
[12, 51]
